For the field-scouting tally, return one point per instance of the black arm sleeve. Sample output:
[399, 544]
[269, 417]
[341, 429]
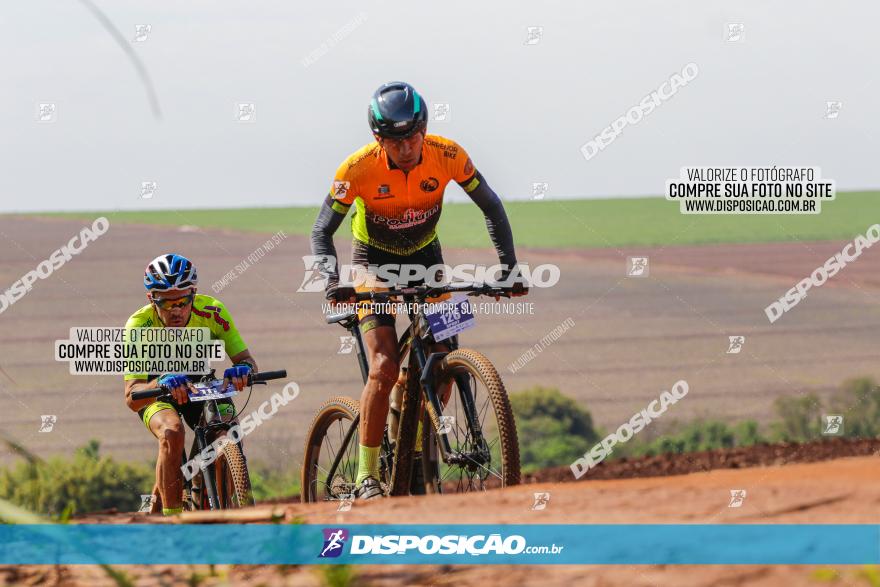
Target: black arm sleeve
[326, 224]
[496, 220]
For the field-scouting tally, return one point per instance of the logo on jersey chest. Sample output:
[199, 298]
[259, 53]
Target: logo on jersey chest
[430, 184]
[411, 217]
[384, 192]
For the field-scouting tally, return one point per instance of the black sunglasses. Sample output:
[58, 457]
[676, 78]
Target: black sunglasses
[171, 304]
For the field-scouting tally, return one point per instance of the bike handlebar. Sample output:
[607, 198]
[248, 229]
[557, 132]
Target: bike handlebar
[148, 393]
[424, 291]
[253, 378]
[268, 376]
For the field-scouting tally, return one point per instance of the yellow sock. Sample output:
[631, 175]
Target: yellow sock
[419, 440]
[368, 463]
[171, 511]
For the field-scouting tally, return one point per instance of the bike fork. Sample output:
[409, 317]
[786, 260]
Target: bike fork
[433, 406]
[470, 409]
[208, 477]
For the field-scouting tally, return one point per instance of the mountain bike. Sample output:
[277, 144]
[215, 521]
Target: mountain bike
[225, 482]
[468, 440]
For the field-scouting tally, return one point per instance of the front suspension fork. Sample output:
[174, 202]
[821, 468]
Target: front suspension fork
[208, 477]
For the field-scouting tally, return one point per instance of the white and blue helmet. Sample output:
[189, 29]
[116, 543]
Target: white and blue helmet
[170, 272]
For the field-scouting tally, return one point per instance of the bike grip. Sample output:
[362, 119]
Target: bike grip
[147, 393]
[269, 375]
[334, 318]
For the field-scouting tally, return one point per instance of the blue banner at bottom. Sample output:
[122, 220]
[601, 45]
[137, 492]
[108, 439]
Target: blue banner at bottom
[440, 544]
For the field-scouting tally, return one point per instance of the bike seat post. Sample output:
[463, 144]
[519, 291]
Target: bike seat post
[363, 362]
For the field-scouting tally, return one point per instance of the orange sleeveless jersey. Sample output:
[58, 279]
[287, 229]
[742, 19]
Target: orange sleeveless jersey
[394, 211]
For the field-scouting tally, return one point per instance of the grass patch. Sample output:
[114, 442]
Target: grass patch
[557, 223]
[59, 487]
[271, 482]
[555, 430]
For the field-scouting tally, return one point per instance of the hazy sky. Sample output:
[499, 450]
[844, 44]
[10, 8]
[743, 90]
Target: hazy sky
[521, 110]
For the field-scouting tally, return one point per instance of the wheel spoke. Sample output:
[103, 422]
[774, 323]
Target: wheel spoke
[473, 473]
[325, 484]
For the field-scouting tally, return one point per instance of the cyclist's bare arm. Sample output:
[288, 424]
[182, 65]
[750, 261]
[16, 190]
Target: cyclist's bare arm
[179, 394]
[496, 218]
[133, 385]
[244, 357]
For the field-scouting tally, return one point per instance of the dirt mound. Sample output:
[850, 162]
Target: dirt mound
[761, 455]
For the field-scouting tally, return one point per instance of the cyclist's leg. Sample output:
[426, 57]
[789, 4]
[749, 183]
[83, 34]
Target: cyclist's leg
[377, 329]
[156, 506]
[165, 424]
[381, 342]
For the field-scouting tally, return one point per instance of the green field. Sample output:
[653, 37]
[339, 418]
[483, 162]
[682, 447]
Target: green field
[564, 223]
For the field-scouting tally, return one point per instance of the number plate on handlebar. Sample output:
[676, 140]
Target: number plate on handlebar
[213, 391]
[449, 317]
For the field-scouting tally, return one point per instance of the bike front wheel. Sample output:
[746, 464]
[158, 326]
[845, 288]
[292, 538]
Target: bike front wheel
[233, 479]
[478, 422]
[324, 443]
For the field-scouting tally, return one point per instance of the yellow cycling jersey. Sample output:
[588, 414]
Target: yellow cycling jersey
[397, 212]
[207, 312]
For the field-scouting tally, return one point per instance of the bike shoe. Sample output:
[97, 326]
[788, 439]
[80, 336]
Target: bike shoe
[369, 489]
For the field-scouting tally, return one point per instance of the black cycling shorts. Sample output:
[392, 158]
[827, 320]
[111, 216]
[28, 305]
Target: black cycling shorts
[364, 255]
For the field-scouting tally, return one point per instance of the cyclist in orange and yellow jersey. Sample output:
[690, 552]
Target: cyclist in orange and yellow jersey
[396, 186]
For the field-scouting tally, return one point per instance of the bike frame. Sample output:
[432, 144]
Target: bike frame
[200, 443]
[413, 341]
[209, 421]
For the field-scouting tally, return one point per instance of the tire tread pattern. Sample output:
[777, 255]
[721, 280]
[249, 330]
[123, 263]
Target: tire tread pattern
[479, 365]
[236, 467]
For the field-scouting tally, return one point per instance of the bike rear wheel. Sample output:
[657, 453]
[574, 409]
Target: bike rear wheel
[482, 463]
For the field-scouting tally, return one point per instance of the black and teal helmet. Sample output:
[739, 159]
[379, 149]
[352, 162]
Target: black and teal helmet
[397, 111]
